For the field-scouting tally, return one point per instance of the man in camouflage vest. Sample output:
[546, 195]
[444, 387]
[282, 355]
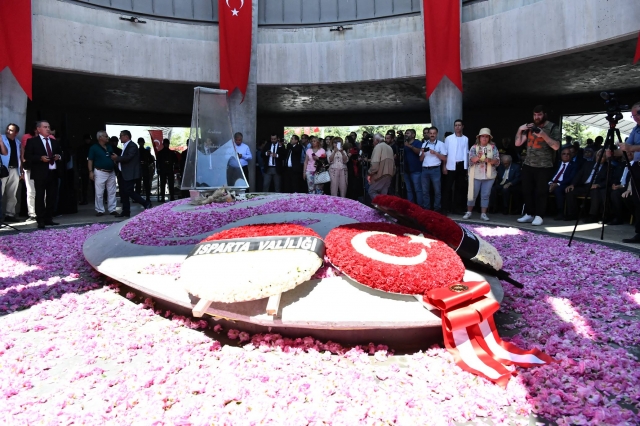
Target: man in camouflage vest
[543, 140]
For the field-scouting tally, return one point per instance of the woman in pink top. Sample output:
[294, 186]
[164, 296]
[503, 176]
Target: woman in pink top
[310, 166]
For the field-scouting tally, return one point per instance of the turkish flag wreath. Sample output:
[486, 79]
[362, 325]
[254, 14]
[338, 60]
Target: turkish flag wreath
[395, 259]
[235, 27]
[15, 41]
[442, 42]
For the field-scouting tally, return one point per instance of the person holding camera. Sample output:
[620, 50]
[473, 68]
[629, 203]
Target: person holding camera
[338, 167]
[412, 167]
[433, 153]
[484, 158]
[542, 138]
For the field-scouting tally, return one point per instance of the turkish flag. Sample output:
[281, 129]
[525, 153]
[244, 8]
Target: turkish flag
[442, 42]
[156, 139]
[637, 57]
[15, 41]
[235, 25]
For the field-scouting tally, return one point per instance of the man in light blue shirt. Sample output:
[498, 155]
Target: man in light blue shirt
[632, 146]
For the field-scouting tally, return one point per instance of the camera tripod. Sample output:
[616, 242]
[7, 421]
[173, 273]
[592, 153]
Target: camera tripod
[6, 225]
[608, 144]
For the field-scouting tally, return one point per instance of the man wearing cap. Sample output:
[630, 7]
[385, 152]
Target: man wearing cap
[542, 138]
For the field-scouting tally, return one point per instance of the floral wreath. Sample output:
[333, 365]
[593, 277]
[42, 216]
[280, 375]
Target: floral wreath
[483, 256]
[243, 263]
[393, 258]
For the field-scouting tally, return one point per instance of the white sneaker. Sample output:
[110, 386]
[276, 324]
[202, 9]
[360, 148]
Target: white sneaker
[484, 216]
[537, 221]
[526, 218]
[467, 215]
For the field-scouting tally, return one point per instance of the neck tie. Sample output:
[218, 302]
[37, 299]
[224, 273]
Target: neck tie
[49, 152]
[557, 178]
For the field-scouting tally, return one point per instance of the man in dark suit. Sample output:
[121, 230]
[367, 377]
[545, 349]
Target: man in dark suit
[129, 164]
[580, 184]
[597, 192]
[562, 178]
[508, 181]
[273, 155]
[293, 167]
[44, 156]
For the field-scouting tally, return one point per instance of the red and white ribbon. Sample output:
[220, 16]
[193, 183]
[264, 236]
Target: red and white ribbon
[471, 336]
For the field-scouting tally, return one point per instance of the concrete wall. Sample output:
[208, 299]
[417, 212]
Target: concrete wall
[82, 39]
[13, 102]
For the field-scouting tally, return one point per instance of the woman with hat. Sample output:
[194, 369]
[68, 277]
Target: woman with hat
[484, 159]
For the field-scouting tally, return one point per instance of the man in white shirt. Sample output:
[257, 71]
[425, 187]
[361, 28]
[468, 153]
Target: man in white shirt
[455, 170]
[244, 156]
[433, 153]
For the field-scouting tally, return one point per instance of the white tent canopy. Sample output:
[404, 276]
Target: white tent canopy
[600, 121]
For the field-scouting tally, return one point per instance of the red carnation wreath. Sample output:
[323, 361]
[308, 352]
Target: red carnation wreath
[262, 230]
[474, 251]
[393, 258]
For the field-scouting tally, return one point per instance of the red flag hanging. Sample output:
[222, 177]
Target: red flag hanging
[235, 25]
[156, 139]
[15, 41]
[442, 42]
[637, 57]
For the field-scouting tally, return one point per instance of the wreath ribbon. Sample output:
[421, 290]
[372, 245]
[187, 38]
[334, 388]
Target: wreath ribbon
[471, 336]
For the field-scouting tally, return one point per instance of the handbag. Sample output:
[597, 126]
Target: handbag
[4, 172]
[321, 177]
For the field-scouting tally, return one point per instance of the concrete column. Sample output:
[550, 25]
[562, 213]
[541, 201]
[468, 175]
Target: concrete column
[244, 115]
[445, 106]
[13, 102]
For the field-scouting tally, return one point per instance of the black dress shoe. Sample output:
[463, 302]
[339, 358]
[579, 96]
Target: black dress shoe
[590, 219]
[634, 240]
[570, 218]
[50, 223]
[559, 217]
[123, 215]
[10, 219]
[99, 214]
[113, 213]
[615, 221]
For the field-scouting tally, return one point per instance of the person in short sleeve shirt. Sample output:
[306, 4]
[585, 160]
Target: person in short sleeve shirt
[542, 138]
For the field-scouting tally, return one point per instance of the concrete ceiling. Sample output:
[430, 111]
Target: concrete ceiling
[563, 77]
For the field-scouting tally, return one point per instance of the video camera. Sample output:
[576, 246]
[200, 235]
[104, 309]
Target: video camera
[613, 107]
[366, 146]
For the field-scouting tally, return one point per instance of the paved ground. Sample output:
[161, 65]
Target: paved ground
[613, 235]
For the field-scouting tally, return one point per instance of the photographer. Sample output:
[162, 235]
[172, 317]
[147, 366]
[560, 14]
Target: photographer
[542, 138]
[432, 156]
[412, 167]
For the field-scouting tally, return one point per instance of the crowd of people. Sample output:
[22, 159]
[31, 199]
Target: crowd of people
[451, 175]
[446, 175]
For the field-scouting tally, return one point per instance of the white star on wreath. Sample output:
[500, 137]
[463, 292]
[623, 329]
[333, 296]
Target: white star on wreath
[235, 12]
